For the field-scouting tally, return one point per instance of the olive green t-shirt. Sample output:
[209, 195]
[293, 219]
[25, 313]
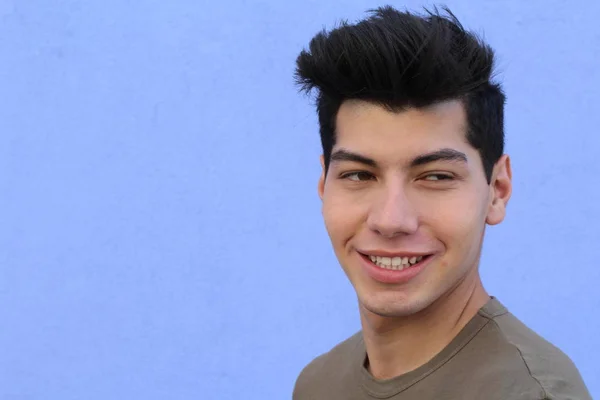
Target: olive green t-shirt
[494, 357]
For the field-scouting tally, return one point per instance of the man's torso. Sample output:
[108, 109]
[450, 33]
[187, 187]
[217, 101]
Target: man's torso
[494, 357]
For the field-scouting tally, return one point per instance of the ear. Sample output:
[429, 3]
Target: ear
[500, 190]
[321, 186]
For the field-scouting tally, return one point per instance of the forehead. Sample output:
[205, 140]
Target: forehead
[365, 126]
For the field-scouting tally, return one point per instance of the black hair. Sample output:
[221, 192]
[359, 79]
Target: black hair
[400, 60]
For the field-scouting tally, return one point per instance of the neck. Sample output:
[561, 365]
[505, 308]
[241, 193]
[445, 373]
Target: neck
[396, 346]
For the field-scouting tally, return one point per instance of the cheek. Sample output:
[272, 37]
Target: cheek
[343, 216]
[457, 221]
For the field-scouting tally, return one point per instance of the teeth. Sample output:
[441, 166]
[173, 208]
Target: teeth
[395, 263]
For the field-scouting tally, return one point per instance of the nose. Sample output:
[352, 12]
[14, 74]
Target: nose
[392, 214]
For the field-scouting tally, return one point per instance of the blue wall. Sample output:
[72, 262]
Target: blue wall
[160, 231]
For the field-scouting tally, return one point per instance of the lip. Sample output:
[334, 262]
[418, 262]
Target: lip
[393, 276]
[383, 253]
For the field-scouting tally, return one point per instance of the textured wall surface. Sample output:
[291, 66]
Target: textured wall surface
[160, 231]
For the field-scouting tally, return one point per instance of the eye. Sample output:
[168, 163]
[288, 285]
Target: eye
[357, 176]
[438, 177]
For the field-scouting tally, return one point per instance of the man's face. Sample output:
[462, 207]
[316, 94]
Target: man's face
[405, 203]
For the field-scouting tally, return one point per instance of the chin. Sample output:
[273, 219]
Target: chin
[393, 304]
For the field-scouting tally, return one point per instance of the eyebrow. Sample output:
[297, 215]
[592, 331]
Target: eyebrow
[345, 155]
[446, 154]
[439, 155]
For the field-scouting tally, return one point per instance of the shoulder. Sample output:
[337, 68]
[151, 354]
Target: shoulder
[533, 360]
[329, 369]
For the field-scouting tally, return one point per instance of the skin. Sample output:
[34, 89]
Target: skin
[382, 201]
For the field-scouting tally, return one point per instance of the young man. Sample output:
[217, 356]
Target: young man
[413, 169]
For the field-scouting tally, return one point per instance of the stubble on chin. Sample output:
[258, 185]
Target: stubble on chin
[388, 305]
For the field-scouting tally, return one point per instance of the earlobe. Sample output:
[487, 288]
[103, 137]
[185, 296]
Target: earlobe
[321, 185]
[501, 190]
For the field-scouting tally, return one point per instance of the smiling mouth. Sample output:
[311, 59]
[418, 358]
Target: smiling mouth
[395, 263]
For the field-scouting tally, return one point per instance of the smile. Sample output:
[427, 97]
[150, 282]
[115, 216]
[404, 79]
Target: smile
[394, 268]
[395, 263]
